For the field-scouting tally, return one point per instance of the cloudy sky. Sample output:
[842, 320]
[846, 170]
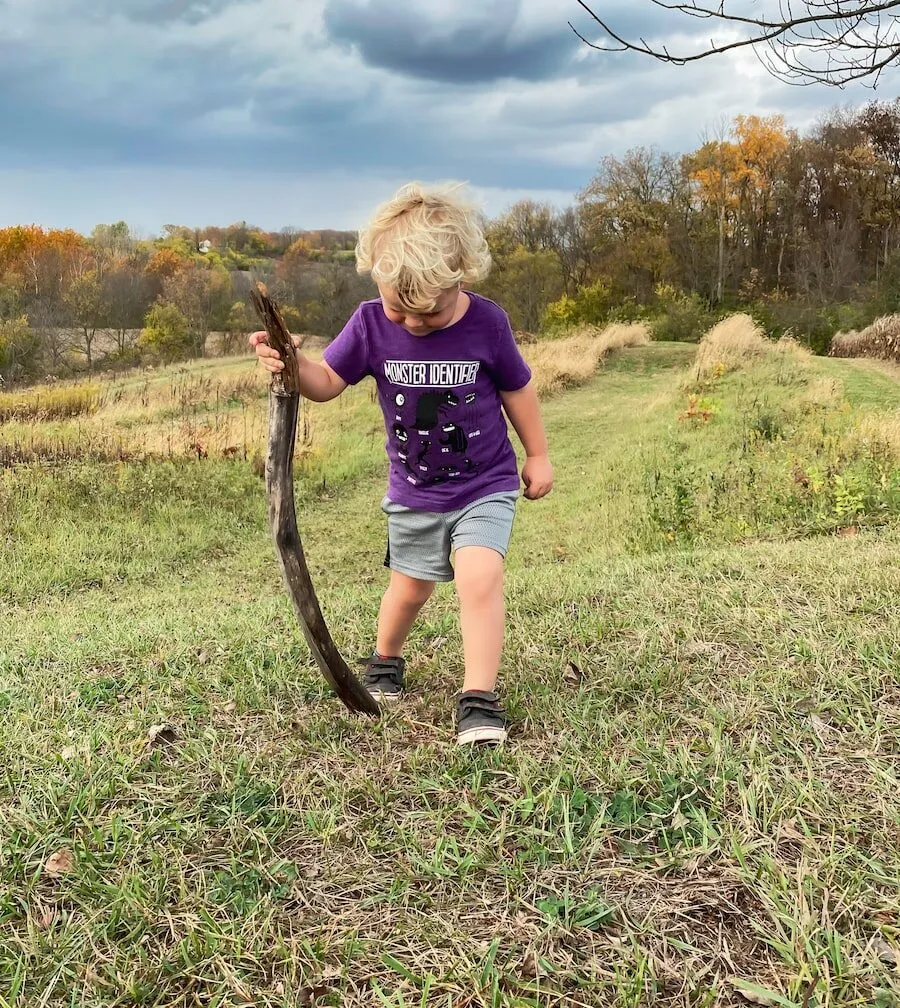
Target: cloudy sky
[306, 112]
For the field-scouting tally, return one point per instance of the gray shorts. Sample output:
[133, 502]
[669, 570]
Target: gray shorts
[420, 542]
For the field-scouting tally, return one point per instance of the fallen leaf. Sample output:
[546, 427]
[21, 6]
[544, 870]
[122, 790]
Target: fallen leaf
[230, 708]
[679, 820]
[45, 917]
[753, 994]
[60, 863]
[886, 953]
[160, 734]
[531, 965]
[69, 753]
[821, 727]
[572, 674]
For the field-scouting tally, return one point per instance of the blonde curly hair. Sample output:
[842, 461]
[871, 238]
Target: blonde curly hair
[424, 241]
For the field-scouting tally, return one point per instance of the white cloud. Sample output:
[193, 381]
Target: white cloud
[211, 110]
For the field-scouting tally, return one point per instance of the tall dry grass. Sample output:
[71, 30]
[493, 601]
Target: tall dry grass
[880, 432]
[738, 341]
[50, 403]
[561, 363]
[880, 340]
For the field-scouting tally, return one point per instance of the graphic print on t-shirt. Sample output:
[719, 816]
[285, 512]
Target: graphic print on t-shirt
[432, 428]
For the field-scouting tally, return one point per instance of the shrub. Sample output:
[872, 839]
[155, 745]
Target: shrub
[592, 305]
[595, 302]
[166, 334]
[630, 310]
[683, 317]
[812, 325]
[561, 314]
[19, 350]
[880, 340]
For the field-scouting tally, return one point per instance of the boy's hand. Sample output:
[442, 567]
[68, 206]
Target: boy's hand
[537, 475]
[269, 359]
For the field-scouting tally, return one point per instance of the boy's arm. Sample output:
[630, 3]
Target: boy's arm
[318, 382]
[524, 414]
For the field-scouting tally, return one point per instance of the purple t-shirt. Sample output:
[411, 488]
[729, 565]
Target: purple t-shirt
[447, 440]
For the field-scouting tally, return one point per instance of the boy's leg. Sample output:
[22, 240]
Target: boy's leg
[400, 606]
[479, 585]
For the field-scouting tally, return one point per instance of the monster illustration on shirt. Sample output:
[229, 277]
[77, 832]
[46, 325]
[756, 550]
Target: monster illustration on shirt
[430, 430]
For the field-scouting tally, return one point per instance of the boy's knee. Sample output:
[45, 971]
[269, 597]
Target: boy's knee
[411, 591]
[479, 575]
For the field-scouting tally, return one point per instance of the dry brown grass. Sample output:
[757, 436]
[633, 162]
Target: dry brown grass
[50, 403]
[572, 360]
[738, 341]
[880, 340]
[205, 408]
[880, 432]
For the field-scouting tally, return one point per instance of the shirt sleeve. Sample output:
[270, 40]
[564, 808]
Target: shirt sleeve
[508, 366]
[348, 354]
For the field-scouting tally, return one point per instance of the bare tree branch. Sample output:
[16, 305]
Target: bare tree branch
[811, 41]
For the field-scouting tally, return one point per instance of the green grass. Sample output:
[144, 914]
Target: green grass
[700, 801]
[866, 382]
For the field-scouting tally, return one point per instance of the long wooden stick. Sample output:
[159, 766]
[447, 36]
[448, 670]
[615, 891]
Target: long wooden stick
[284, 403]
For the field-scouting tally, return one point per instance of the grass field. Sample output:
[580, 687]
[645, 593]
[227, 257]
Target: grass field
[700, 804]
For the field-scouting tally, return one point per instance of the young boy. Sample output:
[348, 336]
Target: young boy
[446, 367]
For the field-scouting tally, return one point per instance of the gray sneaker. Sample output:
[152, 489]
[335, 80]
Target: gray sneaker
[384, 677]
[480, 720]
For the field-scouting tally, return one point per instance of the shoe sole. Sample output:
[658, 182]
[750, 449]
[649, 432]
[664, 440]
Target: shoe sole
[484, 736]
[379, 697]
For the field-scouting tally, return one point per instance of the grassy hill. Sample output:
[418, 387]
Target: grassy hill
[700, 803]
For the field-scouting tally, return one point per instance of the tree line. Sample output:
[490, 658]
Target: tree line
[802, 231]
[70, 302]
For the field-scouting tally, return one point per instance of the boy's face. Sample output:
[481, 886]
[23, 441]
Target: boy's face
[420, 325]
